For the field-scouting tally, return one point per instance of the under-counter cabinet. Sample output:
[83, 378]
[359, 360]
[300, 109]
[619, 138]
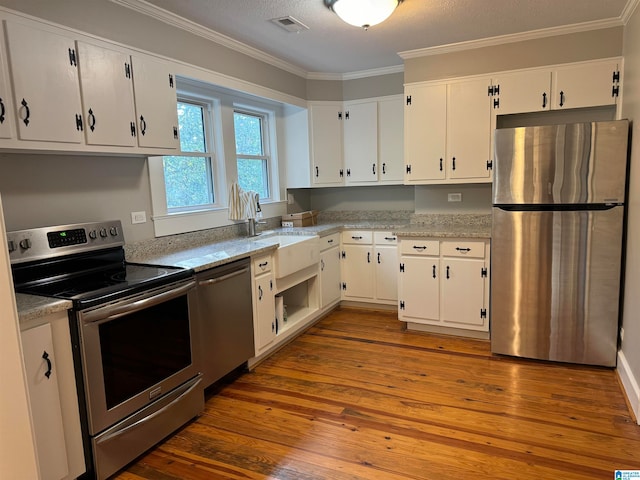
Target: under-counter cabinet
[447, 129]
[53, 399]
[264, 306]
[444, 283]
[330, 286]
[369, 266]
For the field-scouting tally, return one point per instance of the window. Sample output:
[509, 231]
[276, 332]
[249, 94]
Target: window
[252, 153]
[188, 177]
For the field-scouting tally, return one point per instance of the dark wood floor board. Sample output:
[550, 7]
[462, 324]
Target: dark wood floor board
[357, 398]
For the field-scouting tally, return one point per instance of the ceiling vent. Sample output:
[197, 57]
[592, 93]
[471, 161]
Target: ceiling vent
[290, 24]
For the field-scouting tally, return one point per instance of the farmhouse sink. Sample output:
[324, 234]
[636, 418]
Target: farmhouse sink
[294, 253]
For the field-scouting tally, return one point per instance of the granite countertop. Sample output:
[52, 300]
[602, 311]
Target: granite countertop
[32, 307]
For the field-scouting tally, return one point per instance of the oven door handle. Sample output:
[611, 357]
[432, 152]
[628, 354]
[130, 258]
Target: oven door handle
[212, 281]
[108, 313]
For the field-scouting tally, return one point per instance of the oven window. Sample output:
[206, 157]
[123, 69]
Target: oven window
[143, 348]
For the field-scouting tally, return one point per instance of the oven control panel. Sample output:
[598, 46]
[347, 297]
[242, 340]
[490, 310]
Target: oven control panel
[46, 242]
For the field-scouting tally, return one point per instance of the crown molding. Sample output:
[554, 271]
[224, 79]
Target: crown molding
[375, 72]
[628, 10]
[512, 38]
[174, 20]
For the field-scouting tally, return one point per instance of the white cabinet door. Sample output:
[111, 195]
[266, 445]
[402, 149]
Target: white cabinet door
[425, 130]
[325, 123]
[6, 111]
[419, 289]
[156, 103]
[520, 92]
[330, 276]
[462, 293]
[391, 140]
[361, 142]
[45, 79]
[107, 96]
[358, 272]
[265, 309]
[585, 85]
[468, 129]
[41, 370]
[387, 265]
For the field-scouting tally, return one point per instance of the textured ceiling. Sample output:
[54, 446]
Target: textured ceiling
[333, 47]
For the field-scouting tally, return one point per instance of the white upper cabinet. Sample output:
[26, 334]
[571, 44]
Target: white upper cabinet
[361, 142]
[425, 130]
[6, 111]
[390, 139]
[46, 97]
[107, 96]
[325, 126]
[586, 85]
[447, 132]
[516, 92]
[156, 100]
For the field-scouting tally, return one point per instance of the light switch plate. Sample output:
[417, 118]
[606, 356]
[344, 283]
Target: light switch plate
[455, 197]
[138, 217]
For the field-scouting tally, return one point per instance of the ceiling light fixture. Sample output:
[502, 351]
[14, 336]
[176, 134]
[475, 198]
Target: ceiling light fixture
[363, 13]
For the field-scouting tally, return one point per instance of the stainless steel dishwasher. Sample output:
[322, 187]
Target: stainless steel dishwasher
[224, 318]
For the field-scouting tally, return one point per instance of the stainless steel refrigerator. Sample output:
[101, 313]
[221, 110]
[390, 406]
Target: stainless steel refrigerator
[556, 246]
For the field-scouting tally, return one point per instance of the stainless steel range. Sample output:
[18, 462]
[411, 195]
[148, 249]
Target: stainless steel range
[137, 363]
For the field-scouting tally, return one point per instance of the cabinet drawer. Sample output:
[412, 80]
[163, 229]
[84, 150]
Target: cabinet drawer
[359, 237]
[384, 238]
[262, 264]
[419, 247]
[463, 249]
[329, 241]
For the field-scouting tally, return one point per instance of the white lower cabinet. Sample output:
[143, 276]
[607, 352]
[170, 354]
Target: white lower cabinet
[369, 266]
[263, 303]
[329, 269]
[53, 399]
[444, 283]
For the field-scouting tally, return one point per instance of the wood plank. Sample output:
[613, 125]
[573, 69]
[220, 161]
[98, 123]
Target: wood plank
[358, 397]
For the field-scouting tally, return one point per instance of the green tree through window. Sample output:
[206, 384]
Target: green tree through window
[251, 152]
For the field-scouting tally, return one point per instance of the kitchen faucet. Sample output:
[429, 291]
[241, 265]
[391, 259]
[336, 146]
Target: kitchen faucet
[252, 226]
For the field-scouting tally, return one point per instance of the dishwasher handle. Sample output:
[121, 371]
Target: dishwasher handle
[213, 281]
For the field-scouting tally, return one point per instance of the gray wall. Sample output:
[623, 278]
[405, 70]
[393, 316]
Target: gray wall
[574, 47]
[42, 190]
[631, 110]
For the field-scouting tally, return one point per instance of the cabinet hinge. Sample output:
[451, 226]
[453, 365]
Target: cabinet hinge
[341, 173]
[133, 129]
[408, 99]
[401, 305]
[344, 286]
[616, 76]
[346, 115]
[72, 57]
[615, 90]
[483, 272]
[496, 103]
[493, 90]
[408, 168]
[127, 70]
[402, 267]
[170, 81]
[339, 115]
[496, 89]
[344, 254]
[348, 172]
[489, 164]
[79, 125]
[175, 132]
[483, 313]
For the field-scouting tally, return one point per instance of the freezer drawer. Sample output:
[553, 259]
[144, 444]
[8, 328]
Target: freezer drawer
[555, 281]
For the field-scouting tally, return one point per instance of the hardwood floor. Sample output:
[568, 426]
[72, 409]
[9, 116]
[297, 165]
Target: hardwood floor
[356, 397]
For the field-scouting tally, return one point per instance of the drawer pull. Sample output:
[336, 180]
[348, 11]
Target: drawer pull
[264, 264]
[434, 271]
[448, 272]
[390, 239]
[330, 240]
[460, 249]
[419, 247]
[356, 238]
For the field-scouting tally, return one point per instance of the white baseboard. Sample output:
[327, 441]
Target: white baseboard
[630, 384]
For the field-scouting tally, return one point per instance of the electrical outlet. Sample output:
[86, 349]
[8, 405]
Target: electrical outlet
[287, 224]
[455, 197]
[138, 217]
